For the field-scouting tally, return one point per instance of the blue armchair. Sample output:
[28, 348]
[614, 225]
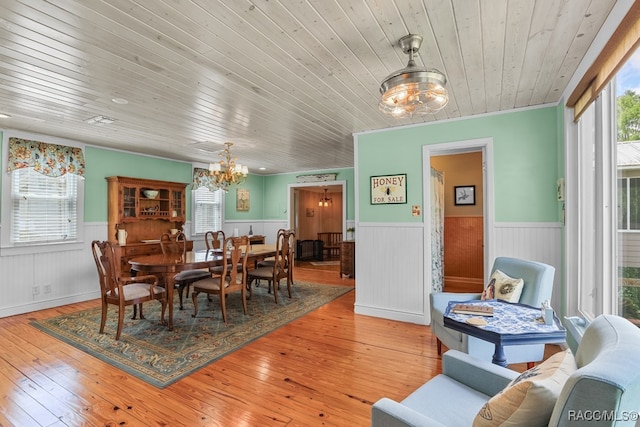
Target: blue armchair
[538, 286]
[606, 384]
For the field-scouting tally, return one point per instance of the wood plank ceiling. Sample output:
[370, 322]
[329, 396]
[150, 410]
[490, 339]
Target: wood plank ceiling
[288, 82]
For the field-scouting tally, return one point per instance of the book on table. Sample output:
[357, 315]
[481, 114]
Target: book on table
[475, 309]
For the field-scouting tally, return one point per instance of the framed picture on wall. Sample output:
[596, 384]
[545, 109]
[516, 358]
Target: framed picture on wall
[388, 189]
[464, 195]
[242, 199]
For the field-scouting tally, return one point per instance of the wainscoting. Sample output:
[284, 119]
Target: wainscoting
[394, 279]
[463, 253]
[65, 277]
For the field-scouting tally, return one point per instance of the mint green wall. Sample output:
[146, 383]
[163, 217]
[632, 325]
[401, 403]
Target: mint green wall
[255, 185]
[275, 192]
[525, 147]
[268, 193]
[102, 163]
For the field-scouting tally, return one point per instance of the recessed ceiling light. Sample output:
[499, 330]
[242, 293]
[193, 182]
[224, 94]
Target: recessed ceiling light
[4, 116]
[263, 169]
[121, 101]
[100, 120]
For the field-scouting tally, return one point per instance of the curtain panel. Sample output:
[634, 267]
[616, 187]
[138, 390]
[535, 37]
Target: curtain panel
[48, 159]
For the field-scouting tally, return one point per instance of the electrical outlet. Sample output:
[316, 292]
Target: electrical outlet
[46, 289]
[35, 290]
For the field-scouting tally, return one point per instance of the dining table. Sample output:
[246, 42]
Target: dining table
[168, 265]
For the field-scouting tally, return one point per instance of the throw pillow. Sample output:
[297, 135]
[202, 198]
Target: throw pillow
[503, 287]
[530, 398]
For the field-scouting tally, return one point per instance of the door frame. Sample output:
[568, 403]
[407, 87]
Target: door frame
[291, 207]
[484, 145]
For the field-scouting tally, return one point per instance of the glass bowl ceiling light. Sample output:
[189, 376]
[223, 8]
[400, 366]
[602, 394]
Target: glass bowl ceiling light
[413, 90]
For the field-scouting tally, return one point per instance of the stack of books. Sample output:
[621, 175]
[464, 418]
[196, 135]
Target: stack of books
[475, 309]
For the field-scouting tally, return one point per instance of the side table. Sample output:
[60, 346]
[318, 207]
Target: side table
[348, 258]
[511, 324]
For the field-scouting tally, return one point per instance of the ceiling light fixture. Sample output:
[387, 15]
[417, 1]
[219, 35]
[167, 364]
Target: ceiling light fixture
[413, 90]
[226, 171]
[324, 201]
[4, 116]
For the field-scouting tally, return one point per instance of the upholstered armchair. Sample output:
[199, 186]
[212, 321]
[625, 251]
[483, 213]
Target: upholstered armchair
[598, 385]
[538, 285]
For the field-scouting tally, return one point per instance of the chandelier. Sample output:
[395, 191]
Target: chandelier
[226, 171]
[413, 90]
[324, 201]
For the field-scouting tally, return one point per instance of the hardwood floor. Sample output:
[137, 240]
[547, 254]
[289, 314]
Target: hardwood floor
[326, 368]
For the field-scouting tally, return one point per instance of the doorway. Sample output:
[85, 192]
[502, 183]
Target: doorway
[310, 215]
[467, 227]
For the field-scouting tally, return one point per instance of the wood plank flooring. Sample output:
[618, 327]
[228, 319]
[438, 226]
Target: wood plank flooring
[326, 368]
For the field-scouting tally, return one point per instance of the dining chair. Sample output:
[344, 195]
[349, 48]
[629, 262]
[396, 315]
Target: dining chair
[281, 267]
[215, 241]
[177, 244]
[233, 277]
[121, 290]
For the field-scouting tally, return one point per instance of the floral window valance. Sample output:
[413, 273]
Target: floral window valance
[202, 178]
[48, 159]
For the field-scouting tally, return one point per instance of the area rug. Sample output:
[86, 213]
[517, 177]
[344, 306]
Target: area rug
[151, 352]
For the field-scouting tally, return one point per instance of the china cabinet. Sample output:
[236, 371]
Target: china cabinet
[140, 211]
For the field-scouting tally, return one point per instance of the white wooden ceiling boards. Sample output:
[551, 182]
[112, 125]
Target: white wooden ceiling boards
[288, 82]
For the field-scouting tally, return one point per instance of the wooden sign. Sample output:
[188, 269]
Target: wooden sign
[388, 189]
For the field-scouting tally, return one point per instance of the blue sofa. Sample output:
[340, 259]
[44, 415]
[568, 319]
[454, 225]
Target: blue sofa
[607, 379]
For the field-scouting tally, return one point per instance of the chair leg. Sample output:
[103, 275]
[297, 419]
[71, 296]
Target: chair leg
[103, 318]
[194, 298]
[181, 287]
[439, 346]
[223, 306]
[140, 309]
[120, 322]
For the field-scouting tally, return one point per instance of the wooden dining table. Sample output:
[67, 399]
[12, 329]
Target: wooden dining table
[168, 265]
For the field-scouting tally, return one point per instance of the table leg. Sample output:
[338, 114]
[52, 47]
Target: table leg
[498, 356]
[170, 283]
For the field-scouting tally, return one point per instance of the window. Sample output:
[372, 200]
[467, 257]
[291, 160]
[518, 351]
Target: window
[629, 203]
[207, 210]
[43, 209]
[42, 194]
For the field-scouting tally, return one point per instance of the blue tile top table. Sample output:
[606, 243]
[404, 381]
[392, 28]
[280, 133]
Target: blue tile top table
[511, 324]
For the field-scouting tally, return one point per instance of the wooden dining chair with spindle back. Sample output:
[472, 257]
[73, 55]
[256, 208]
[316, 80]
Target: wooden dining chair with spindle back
[177, 244]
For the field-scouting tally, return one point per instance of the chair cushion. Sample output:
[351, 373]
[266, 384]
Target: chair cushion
[138, 290]
[530, 398]
[503, 287]
[191, 275]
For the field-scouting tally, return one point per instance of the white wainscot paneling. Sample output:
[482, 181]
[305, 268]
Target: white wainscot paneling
[70, 276]
[390, 272]
[540, 241]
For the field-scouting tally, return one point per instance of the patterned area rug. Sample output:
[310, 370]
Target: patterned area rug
[151, 352]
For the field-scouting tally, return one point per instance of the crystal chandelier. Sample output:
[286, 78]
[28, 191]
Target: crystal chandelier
[324, 201]
[226, 171]
[413, 90]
